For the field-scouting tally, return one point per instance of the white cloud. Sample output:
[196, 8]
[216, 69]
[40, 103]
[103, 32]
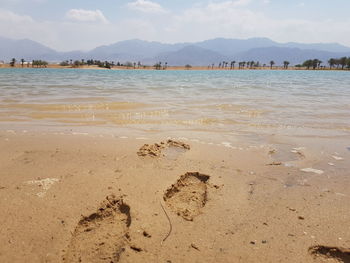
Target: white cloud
[229, 19]
[68, 35]
[82, 15]
[147, 6]
[234, 19]
[225, 19]
[8, 16]
[239, 2]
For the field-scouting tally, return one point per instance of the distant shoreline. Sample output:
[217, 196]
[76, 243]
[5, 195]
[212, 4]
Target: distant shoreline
[94, 67]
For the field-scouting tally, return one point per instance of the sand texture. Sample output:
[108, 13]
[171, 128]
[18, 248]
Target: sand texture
[100, 236]
[97, 198]
[188, 196]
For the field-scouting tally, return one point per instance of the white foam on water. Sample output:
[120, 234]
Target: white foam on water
[338, 158]
[331, 164]
[289, 164]
[340, 194]
[141, 138]
[123, 137]
[80, 133]
[312, 170]
[299, 148]
[227, 144]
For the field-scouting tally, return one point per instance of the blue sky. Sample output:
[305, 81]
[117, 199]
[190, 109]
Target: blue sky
[85, 24]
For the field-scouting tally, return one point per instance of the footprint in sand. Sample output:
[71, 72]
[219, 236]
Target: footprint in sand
[325, 252]
[171, 148]
[100, 237]
[188, 195]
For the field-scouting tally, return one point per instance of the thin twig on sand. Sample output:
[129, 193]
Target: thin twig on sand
[170, 224]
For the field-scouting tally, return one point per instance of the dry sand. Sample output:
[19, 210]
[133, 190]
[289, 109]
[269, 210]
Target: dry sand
[66, 198]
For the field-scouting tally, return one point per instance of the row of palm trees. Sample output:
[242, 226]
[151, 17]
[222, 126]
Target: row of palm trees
[312, 63]
[89, 62]
[33, 63]
[338, 63]
[246, 64]
[104, 64]
[159, 65]
[39, 63]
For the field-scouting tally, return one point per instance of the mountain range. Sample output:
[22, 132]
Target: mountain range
[198, 53]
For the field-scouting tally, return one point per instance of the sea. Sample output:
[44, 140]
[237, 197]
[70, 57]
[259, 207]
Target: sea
[251, 107]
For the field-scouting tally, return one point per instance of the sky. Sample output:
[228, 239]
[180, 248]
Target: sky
[67, 25]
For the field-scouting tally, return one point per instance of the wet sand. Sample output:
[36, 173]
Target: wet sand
[66, 197]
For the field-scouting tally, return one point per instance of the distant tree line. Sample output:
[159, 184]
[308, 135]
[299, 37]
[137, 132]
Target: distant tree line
[339, 62]
[334, 63]
[39, 63]
[101, 64]
[245, 64]
[159, 66]
[34, 63]
[89, 62]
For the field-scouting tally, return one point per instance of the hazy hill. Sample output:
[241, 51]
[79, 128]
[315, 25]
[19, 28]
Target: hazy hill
[24, 48]
[330, 47]
[199, 53]
[231, 47]
[192, 55]
[135, 47]
[280, 54]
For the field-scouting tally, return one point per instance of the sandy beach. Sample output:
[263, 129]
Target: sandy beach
[67, 197]
[174, 166]
[149, 131]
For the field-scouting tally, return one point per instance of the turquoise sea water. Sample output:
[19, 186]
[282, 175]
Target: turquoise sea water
[293, 103]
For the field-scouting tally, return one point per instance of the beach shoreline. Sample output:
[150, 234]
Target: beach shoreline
[142, 68]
